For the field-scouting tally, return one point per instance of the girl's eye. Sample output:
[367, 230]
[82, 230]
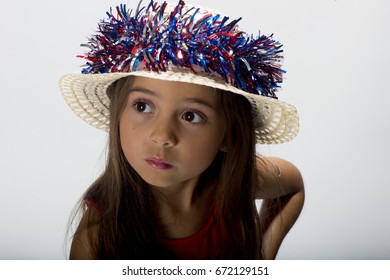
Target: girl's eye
[193, 117]
[142, 107]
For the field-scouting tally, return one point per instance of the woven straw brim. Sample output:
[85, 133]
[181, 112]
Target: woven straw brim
[275, 121]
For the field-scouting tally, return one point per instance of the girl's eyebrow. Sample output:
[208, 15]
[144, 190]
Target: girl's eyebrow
[201, 102]
[186, 100]
[142, 89]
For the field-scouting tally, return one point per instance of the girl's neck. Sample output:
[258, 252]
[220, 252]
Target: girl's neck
[183, 210]
[181, 197]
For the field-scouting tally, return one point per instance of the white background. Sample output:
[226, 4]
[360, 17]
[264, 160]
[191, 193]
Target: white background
[337, 61]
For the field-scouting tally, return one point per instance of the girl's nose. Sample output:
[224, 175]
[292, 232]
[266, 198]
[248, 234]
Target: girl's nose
[164, 133]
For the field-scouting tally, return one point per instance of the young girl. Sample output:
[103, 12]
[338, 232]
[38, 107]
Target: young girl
[185, 96]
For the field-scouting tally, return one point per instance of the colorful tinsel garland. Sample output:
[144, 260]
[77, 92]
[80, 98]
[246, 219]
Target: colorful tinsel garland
[191, 38]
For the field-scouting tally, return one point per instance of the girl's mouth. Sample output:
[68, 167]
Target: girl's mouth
[158, 163]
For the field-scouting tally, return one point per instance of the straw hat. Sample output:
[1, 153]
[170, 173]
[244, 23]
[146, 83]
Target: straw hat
[182, 43]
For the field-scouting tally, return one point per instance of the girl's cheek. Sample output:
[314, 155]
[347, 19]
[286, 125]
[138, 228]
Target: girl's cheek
[133, 117]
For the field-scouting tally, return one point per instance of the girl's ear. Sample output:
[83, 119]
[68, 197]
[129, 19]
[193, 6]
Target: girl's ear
[223, 149]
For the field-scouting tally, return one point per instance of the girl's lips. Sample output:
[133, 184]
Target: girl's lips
[158, 163]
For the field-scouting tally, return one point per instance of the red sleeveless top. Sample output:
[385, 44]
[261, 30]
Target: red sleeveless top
[205, 244]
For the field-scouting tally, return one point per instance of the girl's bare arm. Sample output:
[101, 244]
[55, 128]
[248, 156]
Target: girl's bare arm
[81, 248]
[281, 204]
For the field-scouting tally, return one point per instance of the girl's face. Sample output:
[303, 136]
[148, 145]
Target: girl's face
[170, 132]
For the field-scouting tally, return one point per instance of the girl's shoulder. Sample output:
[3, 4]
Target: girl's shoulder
[86, 234]
[277, 177]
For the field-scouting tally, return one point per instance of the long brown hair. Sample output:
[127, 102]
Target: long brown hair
[127, 226]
